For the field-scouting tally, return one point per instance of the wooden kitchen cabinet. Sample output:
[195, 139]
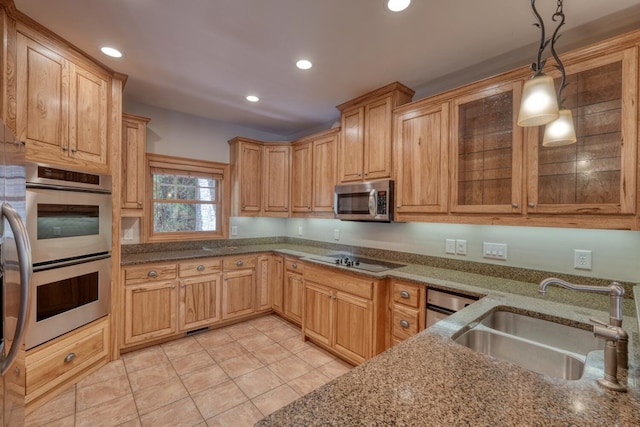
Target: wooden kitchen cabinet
[269, 271]
[301, 177]
[150, 311]
[238, 286]
[366, 133]
[134, 138]
[276, 180]
[486, 151]
[596, 175]
[62, 103]
[344, 313]
[293, 290]
[276, 279]
[407, 303]
[421, 143]
[200, 294]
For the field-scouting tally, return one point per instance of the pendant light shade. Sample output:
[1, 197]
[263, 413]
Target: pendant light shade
[539, 104]
[560, 131]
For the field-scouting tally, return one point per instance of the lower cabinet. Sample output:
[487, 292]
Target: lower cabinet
[407, 304]
[293, 290]
[341, 312]
[199, 302]
[150, 311]
[238, 293]
[276, 278]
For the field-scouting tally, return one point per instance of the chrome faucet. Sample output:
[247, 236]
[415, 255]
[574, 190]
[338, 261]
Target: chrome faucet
[616, 348]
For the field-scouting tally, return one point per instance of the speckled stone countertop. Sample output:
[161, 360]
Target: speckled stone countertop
[429, 380]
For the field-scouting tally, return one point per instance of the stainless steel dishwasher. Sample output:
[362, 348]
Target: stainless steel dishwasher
[441, 304]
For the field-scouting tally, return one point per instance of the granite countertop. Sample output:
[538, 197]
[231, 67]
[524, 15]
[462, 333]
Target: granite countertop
[431, 380]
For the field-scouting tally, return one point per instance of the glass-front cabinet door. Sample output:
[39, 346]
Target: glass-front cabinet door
[486, 151]
[596, 175]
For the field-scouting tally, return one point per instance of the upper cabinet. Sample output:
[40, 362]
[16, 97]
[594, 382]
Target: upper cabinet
[134, 137]
[596, 175]
[366, 135]
[62, 103]
[259, 177]
[314, 161]
[486, 151]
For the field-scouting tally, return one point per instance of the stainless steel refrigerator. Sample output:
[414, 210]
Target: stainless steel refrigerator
[15, 279]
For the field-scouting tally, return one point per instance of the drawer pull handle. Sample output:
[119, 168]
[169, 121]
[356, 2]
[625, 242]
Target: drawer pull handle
[294, 265]
[404, 323]
[69, 358]
[239, 263]
[200, 267]
[405, 294]
[152, 273]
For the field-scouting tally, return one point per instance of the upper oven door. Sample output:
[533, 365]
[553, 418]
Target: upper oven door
[67, 224]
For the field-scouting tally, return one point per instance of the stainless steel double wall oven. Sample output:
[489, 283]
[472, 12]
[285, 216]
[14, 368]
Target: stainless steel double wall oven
[69, 224]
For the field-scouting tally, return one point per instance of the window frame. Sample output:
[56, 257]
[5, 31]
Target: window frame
[181, 165]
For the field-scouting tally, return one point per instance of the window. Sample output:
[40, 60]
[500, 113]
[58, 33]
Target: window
[187, 199]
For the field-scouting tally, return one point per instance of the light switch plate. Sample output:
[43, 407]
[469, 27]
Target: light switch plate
[461, 247]
[234, 230]
[494, 250]
[450, 246]
[336, 234]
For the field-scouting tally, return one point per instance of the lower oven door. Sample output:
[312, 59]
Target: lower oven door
[436, 314]
[68, 296]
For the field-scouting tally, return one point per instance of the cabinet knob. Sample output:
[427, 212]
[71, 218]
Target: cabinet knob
[239, 263]
[200, 267]
[532, 205]
[359, 174]
[399, 206]
[183, 286]
[65, 149]
[152, 273]
[366, 174]
[515, 205]
[139, 204]
[69, 358]
[404, 323]
[405, 294]
[294, 265]
[73, 150]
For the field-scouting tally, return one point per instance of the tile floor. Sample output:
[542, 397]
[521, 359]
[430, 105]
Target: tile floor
[231, 376]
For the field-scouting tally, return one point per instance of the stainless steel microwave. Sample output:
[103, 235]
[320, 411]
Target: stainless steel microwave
[364, 201]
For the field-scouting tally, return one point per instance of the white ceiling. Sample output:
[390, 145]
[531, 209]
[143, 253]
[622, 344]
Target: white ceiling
[203, 57]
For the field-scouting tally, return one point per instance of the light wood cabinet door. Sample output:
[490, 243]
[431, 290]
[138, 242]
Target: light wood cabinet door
[199, 302]
[276, 182]
[486, 151]
[352, 145]
[150, 311]
[250, 178]
[421, 171]
[293, 297]
[134, 138]
[319, 313]
[276, 278]
[353, 327]
[264, 282]
[325, 172]
[377, 139]
[301, 177]
[597, 174]
[238, 293]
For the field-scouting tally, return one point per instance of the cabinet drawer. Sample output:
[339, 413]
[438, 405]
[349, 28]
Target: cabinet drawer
[406, 294]
[239, 263]
[199, 267]
[149, 273]
[60, 360]
[405, 321]
[293, 265]
[340, 281]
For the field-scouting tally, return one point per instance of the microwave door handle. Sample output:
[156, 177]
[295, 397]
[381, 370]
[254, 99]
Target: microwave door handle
[373, 202]
[26, 270]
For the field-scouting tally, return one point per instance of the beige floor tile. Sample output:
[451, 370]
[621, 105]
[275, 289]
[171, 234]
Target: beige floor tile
[335, 369]
[282, 332]
[295, 344]
[202, 379]
[266, 323]
[218, 399]
[151, 376]
[159, 395]
[240, 330]
[181, 347]
[290, 368]
[275, 399]
[213, 338]
[180, 413]
[315, 356]
[226, 351]
[272, 353]
[144, 358]
[68, 421]
[133, 423]
[240, 365]
[113, 413]
[243, 415]
[60, 407]
[192, 362]
[255, 342]
[108, 371]
[100, 393]
[257, 382]
[308, 382]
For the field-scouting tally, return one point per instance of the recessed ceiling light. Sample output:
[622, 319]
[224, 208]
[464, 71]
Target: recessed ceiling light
[112, 52]
[252, 98]
[304, 64]
[397, 5]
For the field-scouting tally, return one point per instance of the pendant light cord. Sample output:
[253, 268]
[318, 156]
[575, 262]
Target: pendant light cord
[559, 15]
[539, 64]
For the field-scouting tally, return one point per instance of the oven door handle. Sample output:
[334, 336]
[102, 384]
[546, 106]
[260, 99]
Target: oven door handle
[26, 271]
[72, 261]
[373, 203]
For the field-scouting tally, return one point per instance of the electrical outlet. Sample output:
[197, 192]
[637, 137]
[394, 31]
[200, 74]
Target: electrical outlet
[336, 234]
[494, 250]
[582, 259]
[461, 247]
[234, 230]
[450, 246]
[299, 230]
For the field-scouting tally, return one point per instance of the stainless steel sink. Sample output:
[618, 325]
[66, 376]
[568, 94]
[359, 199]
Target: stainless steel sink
[539, 345]
[536, 358]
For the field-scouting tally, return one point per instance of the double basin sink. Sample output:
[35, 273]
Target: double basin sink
[542, 346]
